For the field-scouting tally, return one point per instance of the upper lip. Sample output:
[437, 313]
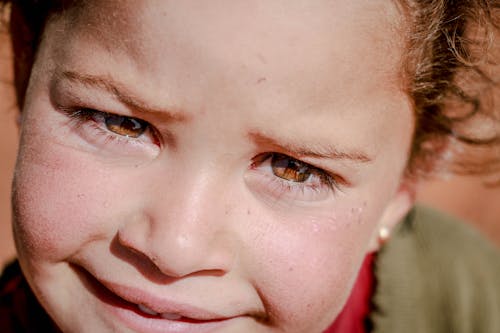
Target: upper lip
[162, 301]
[160, 304]
[158, 301]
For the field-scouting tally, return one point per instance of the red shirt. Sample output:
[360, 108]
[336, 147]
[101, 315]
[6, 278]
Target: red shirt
[354, 318]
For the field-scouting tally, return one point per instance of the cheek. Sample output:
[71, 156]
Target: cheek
[318, 255]
[59, 201]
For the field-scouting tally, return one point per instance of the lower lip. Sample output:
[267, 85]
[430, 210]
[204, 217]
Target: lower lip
[136, 320]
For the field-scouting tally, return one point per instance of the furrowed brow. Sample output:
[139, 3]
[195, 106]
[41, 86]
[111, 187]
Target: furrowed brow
[323, 152]
[123, 95]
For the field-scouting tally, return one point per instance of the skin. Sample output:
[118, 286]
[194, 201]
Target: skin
[193, 211]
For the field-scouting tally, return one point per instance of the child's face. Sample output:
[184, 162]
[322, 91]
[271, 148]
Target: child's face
[278, 136]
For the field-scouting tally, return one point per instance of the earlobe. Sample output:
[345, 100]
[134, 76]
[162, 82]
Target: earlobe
[395, 211]
[400, 204]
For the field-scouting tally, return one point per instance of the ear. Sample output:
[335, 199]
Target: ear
[400, 204]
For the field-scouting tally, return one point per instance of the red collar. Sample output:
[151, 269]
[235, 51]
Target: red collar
[354, 316]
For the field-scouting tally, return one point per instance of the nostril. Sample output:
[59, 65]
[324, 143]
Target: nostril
[158, 258]
[137, 258]
[130, 240]
[171, 250]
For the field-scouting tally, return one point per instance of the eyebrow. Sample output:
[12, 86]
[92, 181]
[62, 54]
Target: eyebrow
[124, 95]
[317, 151]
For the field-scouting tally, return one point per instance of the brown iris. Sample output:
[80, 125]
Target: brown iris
[290, 169]
[126, 126]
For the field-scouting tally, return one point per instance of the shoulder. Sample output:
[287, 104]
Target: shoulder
[439, 237]
[438, 275]
[455, 249]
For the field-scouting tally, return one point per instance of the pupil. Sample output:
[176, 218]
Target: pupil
[289, 168]
[125, 126]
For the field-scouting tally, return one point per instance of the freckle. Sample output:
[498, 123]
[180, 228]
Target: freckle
[290, 269]
[356, 210]
[249, 212]
[332, 223]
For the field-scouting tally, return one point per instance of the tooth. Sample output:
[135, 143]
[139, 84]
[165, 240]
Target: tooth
[171, 316]
[147, 310]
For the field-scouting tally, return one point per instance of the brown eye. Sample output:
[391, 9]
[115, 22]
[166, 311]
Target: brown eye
[290, 169]
[126, 126]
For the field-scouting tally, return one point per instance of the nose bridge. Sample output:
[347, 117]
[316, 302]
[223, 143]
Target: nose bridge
[191, 210]
[185, 227]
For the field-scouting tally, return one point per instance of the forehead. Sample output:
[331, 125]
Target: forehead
[301, 35]
[293, 58]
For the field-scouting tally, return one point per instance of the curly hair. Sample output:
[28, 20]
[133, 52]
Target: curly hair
[453, 82]
[449, 65]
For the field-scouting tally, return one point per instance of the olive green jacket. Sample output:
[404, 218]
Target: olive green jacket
[437, 276]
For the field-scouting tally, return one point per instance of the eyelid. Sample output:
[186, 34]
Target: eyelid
[337, 175]
[106, 85]
[336, 179]
[72, 100]
[320, 187]
[331, 179]
[86, 113]
[95, 132]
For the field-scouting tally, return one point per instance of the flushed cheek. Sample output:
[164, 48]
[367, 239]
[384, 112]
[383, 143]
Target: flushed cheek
[309, 264]
[59, 201]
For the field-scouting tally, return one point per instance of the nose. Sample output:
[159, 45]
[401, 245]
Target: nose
[184, 229]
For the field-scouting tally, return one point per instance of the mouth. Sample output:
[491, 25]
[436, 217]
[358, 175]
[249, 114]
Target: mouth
[144, 313]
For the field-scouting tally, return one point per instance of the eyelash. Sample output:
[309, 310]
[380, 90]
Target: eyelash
[89, 117]
[320, 179]
[323, 180]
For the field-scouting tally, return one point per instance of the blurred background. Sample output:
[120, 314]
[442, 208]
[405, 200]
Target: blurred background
[465, 197]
